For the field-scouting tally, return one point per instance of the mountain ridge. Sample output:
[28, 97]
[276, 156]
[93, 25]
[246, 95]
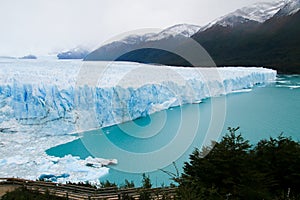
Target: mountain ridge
[271, 39]
[274, 43]
[258, 12]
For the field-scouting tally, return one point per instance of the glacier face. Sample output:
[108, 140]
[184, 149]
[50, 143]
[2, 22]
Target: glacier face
[34, 116]
[50, 97]
[42, 101]
[158, 88]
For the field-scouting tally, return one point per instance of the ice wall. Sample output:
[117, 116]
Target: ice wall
[51, 98]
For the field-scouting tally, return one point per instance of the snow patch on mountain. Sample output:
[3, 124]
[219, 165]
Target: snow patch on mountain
[258, 12]
[179, 30]
[76, 53]
[291, 7]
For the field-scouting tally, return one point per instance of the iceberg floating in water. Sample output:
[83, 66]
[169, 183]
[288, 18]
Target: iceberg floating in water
[41, 102]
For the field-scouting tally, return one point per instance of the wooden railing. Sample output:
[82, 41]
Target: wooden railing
[76, 192]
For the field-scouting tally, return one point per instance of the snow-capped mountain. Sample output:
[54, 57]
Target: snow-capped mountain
[169, 36]
[179, 30]
[76, 53]
[258, 12]
[291, 7]
[185, 30]
[274, 43]
[240, 38]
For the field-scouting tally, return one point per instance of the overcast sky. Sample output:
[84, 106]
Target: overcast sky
[41, 27]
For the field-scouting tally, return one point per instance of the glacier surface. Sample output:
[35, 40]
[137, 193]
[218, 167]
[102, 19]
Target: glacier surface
[41, 102]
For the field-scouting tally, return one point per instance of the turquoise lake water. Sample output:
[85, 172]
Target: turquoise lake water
[155, 141]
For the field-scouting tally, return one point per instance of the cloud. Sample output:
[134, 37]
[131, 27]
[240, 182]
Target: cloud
[39, 27]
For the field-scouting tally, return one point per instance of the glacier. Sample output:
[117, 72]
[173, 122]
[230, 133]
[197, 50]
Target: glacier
[43, 100]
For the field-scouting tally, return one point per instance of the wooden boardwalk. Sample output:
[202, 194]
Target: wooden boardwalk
[80, 192]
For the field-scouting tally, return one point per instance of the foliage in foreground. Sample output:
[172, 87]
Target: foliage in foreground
[233, 169]
[24, 194]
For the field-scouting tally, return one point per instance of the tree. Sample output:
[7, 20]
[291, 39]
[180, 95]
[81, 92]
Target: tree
[107, 184]
[234, 170]
[220, 170]
[146, 185]
[279, 160]
[128, 184]
[146, 182]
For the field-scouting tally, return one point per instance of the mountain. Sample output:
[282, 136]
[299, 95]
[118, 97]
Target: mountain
[274, 43]
[118, 50]
[290, 8]
[143, 48]
[263, 34]
[186, 30]
[7, 57]
[76, 53]
[28, 57]
[258, 12]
